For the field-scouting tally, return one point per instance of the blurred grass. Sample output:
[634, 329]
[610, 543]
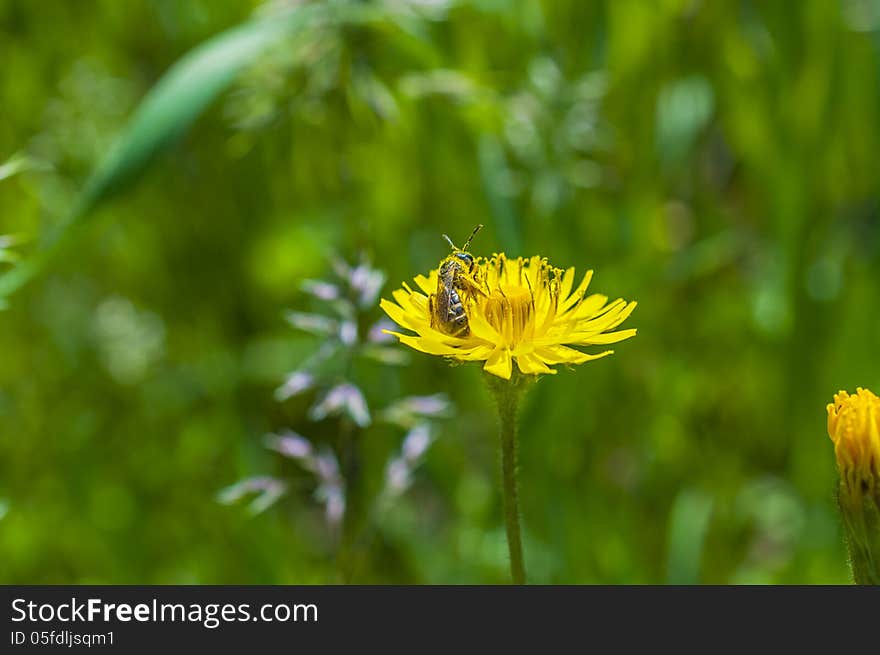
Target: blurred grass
[714, 161]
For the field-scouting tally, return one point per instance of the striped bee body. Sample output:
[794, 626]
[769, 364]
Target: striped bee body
[454, 279]
[448, 309]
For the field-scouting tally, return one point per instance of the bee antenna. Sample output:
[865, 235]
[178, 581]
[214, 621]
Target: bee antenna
[471, 237]
[449, 241]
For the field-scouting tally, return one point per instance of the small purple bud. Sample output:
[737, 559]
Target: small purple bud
[348, 333]
[356, 406]
[296, 383]
[398, 476]
[329, 404]
[327, 468]
[358, 276]
[345, 398]
[290, 444]
[370, 286]
[321, 290]
[435, 405]
[367, 282]
[269, 490]
[416, 442]
[409, 411]
[377, 334]
[334, 505]
[341, 268]
[386, 355]
[268, 498]
[313, 323]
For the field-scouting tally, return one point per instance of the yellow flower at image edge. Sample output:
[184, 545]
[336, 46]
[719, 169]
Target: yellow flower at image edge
[522, 310]
[854, 427]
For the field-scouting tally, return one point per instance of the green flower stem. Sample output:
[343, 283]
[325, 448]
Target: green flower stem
[511, 499]
[350, 556]
[861, 521]
[507, 395]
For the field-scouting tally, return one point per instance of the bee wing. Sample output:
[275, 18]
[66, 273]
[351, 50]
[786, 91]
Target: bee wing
[441, 300]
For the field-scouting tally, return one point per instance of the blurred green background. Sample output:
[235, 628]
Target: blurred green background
[715, 161]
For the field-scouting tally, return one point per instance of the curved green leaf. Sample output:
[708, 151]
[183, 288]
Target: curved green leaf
[18, 164]
[169, 109]
[183, 94]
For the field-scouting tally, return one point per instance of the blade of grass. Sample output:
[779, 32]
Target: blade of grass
[18, 164]
[688, 525]
[168, 111]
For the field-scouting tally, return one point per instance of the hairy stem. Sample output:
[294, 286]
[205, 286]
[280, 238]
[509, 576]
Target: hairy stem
[507, 395]
[861, 522]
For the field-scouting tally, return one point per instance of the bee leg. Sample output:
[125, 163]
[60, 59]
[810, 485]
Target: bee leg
[431, 308]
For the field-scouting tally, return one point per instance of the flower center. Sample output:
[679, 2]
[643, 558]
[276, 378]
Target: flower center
[509, 312]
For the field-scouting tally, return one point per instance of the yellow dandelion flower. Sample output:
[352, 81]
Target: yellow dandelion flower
[521, 310]
[854, 427]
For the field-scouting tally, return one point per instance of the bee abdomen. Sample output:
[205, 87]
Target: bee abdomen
[459, 327]
[456, 318]
[455, 306]
[446, 307]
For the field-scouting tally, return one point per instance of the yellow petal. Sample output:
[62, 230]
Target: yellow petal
[435, 347]
[499, 363]
[566, 355]
[566, 283]
[418, 322]
[418, 304]
[578, 293]
[545, 315]
[608, 317]
[427, 284]
[481, 329]
[531, 365]
[611, 309]
[421, 344]
[623, 315]
[587, 307]
[602, 339]
[401, 297]
[402, 318]
[534, 271]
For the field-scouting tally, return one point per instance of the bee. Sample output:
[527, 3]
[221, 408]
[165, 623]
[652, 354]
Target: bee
[455, 278]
